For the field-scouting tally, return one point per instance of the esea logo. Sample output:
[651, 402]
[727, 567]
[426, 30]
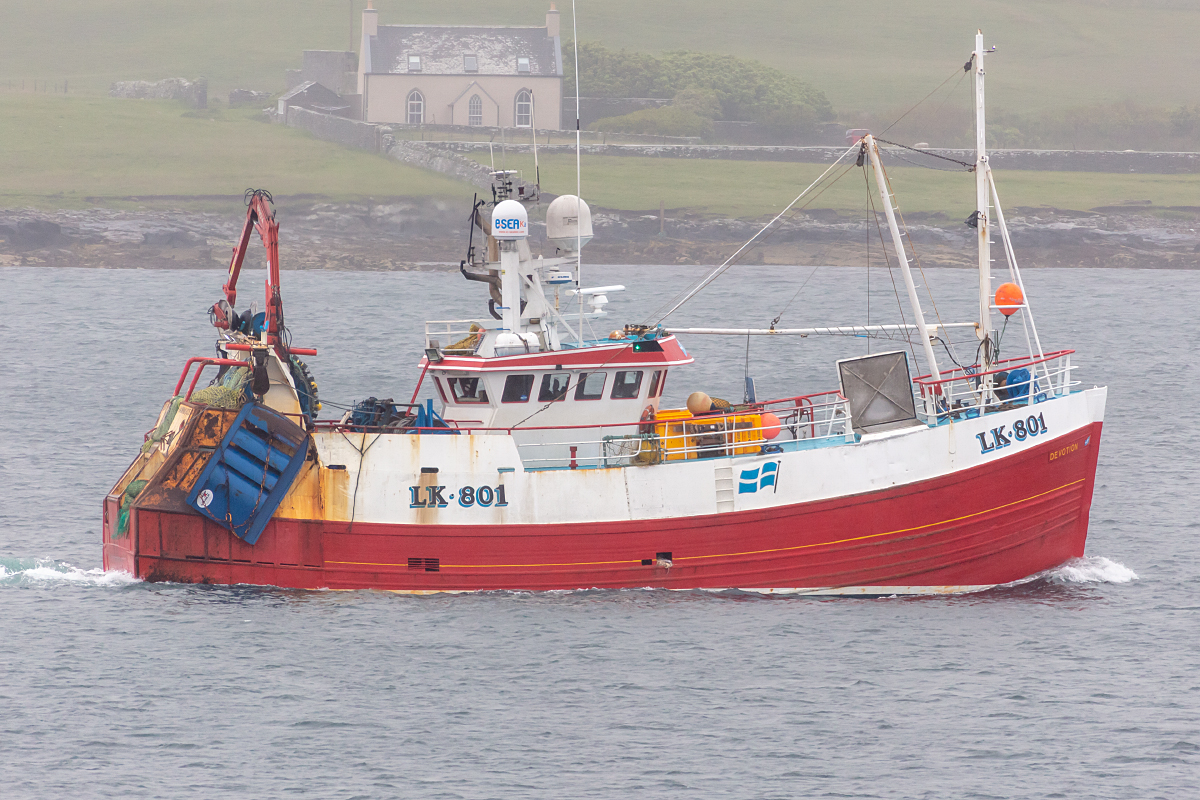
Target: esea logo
[510, 224]
[759, 478]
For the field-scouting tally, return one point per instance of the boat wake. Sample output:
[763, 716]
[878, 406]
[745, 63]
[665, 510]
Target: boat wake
[1090, 569]
[48, 571]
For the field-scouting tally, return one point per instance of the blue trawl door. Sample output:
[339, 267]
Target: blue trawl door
[248, 475]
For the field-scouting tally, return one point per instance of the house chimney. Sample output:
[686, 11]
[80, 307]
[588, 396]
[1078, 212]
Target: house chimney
[552, 21]
[370, 25]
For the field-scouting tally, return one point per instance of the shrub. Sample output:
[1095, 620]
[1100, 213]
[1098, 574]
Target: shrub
[666, 121]
[707, 85]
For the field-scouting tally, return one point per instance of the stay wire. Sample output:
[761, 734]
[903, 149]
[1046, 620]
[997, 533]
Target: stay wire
[888, 261]
[957, 70]
[970, 167]
[699, 286]
[733, 260]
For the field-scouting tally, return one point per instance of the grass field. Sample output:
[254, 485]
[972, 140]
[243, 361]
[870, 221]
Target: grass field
[871, 55]
[753, 189]
[73, 152]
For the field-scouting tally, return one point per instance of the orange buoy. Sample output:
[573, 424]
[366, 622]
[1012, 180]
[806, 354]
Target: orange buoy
[1009, 298]
[770, 425]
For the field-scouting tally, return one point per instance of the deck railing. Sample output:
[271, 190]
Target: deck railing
[456, 337]
[960, 392]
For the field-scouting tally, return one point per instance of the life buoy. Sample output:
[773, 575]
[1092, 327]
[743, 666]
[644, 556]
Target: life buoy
[647, 423]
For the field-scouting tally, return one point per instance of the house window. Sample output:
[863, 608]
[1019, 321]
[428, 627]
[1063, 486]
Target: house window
[470, 64]
[517, 389]
[524, 117]
[627, 385]
[416, 108]
[475, 110]
[522, 66]
[590, 386]
[414, 63]
[467, 390]
[554, 387]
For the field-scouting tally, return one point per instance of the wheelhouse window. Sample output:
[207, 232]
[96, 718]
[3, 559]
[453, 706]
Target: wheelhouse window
[438, 383]
[656, 383]
[475, 110]
[467, 390]
[522, 66]
[554, 387]
[414, 63]
[524, 116]
[590, 386]
[517, 389]
[416, 108]
[470, 64]
[626, 385]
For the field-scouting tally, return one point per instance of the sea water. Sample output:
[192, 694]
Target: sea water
[1079, 683]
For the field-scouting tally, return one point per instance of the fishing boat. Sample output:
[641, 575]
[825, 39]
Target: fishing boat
[551, 463]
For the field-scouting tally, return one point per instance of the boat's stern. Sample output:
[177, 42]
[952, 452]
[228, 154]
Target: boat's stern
[117, 545]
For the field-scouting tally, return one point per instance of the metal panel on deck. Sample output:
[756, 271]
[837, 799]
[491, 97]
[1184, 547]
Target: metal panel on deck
[250, 472]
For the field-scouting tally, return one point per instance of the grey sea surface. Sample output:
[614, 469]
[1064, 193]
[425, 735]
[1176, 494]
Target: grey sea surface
[1083, 682]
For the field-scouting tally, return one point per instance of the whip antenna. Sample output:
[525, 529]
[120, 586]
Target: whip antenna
[578, 191]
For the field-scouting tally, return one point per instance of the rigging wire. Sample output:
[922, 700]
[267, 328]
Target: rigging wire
[779, 316]
[970, 167]
[868, 229]
[916, 256]
[718, 271]
[888, 261]
[957, 71]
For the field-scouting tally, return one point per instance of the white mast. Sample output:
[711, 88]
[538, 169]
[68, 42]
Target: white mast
[578, 183]
[894, 229]
[983, 223]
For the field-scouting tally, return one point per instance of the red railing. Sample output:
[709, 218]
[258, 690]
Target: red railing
[204, 362]
[803, 403]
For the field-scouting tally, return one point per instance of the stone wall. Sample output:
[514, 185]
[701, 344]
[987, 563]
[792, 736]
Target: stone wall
[194, 93]
[447, 162]
[1054, 160]
[349, 132]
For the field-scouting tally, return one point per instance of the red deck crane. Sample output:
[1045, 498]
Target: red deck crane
[260, 216]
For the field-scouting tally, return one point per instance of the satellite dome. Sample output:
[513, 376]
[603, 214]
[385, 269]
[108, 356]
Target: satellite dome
[568, 223]
[510, 221]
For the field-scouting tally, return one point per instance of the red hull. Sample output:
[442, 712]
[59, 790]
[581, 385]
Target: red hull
[989, 525]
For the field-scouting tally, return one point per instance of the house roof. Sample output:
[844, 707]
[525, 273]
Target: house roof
[442, 47]
[311, 91]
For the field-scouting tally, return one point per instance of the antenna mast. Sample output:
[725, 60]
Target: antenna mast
[578, 190]
[982, 221]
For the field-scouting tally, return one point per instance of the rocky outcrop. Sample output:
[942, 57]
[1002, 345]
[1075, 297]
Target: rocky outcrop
[193, 93]
[406, 233]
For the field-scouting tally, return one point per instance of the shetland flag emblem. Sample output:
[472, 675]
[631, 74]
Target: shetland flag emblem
[759, 478]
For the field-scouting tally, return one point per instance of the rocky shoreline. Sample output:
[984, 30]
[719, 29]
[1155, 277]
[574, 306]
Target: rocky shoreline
[407, 235]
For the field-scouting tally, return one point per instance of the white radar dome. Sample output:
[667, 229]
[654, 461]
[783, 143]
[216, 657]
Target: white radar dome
[510, 221]
[568, 223]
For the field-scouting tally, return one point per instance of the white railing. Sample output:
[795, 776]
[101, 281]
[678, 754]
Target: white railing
[959, 392]
[456, 337]
[819, 418]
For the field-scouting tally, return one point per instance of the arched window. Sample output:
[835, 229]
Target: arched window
[416, 108]
[475, 110]
[524, 117]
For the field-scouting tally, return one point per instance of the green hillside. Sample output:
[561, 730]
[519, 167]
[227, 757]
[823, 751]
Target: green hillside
[751, 189]
[872, 55]
[74, 152]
